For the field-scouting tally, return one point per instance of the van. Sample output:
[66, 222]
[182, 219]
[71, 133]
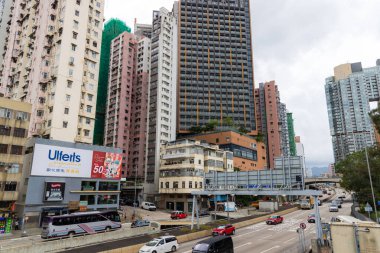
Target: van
[161, 244]
[220, 244]
[148, 206]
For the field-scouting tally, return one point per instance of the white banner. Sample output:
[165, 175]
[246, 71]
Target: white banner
[53, 161]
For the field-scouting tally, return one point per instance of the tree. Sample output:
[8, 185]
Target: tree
[259, 137]
[211, 125]
[355, 173]
[196, 129]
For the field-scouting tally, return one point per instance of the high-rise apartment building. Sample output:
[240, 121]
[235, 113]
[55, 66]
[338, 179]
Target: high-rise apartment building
[143, 30]
[6, 7]
[127, 102]
[162, 93]
[348, 96]
[270, 113]
[112, 28]
[52, 62]
[215, 78]
[122, 77]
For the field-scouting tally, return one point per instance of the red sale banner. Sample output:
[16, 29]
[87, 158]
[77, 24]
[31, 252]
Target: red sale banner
[106, 165]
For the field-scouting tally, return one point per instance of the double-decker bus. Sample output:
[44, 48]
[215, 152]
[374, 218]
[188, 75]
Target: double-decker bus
[79, 223]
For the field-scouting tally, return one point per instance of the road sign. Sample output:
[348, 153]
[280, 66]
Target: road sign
[368, 208]
[303, 225]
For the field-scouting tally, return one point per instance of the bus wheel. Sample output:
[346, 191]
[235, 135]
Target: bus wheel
[108, 229]
[71, 234]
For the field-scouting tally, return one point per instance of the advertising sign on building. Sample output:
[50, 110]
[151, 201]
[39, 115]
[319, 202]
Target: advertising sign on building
[106, 165]
[54, 191]
[56, 161]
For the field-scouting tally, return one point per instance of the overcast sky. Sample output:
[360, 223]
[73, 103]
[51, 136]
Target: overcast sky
[297, 43]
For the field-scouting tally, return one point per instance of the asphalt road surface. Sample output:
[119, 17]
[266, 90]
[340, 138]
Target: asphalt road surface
[263, 238]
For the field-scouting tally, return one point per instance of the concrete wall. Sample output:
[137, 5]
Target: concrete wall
[343, 237]
[268, 206]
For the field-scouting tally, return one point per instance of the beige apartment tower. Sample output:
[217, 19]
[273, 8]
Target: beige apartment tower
[14, 124]
[52, 62]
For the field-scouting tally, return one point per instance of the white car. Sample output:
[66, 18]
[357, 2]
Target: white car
[148, 206]
[333, 208]
[160, 245]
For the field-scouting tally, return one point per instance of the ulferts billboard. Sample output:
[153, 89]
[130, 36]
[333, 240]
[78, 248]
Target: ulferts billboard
[53, 161]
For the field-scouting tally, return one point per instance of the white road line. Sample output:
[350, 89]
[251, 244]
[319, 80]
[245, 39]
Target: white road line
[289, 240]
[275, 247]
[242, 245]
[266, 237]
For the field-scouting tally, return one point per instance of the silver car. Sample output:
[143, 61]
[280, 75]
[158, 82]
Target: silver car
[333, 208]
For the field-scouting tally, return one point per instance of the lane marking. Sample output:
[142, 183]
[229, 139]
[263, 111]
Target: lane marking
[243, 245]
[275, 247]
[289, 240]
[266, 237]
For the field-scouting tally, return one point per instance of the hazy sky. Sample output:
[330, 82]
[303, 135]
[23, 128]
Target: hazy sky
[297, 43]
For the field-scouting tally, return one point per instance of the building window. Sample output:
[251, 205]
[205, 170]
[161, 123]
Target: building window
[162, 185]
[86, 133]
[88, 121]
[89, 198]
[16, 150]
[175, 185]
[5, 113]
[89, 97]
[183, 184]
[75, 35]
[3, 148]
[71, 72]
[5, 130]
[66, 111]
[19, 132]
[89, 108]
[200, 184]
[107, 199]
[196, 185]
[64, 124]
[77, 13]
[69, 84]
[73, 47]
[76, 24]
[167, 185]
[108, 186]
[10, 186]
[190, 184]
[199, 162]
[68, 97]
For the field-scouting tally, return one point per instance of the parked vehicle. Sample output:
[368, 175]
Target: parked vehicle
[274, 220]
[333, 208]
[220, 244]
[178, 215]
[148, 206]
[311, 218]
[79, 223]
[224, 230]
[140, 223]
[160, 245]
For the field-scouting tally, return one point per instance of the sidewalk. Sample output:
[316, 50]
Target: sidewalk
[17, 233]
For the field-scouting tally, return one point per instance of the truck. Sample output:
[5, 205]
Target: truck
[307, 203]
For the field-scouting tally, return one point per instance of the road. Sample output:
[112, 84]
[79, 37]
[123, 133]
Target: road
[262, 238]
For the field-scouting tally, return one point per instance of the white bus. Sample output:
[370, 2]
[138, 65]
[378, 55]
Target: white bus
[79, 223]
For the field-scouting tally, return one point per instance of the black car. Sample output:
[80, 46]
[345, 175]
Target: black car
[220, 244]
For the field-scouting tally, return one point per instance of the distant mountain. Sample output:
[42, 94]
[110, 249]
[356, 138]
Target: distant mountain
[317, 171]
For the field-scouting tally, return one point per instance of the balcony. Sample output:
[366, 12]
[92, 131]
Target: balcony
[177, 155]
[177, 166]
[8, 196]
[176, 190]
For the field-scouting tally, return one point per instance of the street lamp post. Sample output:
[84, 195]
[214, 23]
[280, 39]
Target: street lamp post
[370, 181]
